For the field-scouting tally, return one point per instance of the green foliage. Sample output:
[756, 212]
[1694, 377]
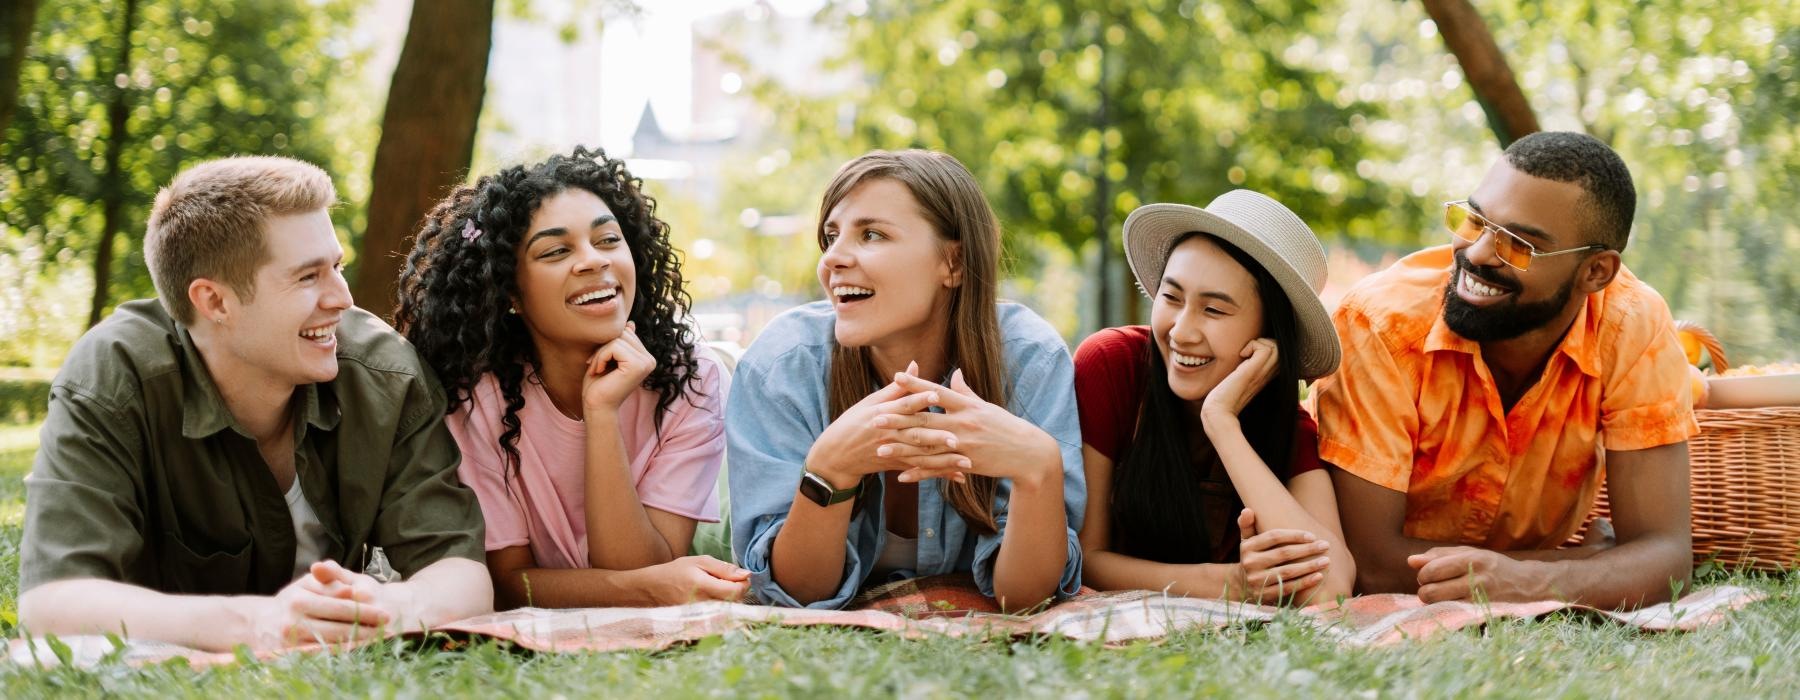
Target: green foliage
[23, 399]
[1699, 98]
[1074, 112]
[205, 80]
[1352, 112]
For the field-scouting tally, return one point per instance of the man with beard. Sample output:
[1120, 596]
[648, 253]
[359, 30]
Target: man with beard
[1490, 385]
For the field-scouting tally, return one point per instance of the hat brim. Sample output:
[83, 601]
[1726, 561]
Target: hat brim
[1151, 232]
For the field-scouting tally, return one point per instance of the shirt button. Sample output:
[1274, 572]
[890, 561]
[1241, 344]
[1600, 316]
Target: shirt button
[930, 533]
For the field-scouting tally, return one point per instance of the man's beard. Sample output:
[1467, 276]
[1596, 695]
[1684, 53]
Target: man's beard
[1504, 321]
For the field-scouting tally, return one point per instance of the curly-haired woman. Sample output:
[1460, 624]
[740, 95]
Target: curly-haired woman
[549, 302]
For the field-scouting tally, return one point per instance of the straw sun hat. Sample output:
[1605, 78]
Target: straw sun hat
[1268, 232]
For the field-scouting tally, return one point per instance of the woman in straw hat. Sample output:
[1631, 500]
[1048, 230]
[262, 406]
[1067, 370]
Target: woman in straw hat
[1203, 472]
[910, 424]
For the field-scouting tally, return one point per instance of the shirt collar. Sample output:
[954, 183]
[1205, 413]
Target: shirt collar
[203, 410]
[1578, 343]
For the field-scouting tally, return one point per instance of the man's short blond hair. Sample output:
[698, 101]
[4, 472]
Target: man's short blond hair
[210, 223]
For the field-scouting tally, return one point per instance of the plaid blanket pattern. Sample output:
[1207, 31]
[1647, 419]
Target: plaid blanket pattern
[950, 605]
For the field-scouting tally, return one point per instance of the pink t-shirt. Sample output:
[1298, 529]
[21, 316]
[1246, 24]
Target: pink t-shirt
[542, 504]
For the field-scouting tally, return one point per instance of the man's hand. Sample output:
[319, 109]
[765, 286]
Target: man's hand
[1463, 573]
[329, 605]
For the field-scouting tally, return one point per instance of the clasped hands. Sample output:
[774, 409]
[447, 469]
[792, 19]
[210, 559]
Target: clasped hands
[330, 604]
[893, 429]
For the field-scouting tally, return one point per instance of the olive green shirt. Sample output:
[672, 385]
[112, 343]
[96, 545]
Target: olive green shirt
[143, 476]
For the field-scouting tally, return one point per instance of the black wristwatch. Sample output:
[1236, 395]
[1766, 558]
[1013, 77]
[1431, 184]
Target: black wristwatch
[818, 490]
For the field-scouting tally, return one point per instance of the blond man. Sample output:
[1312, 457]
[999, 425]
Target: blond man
[248, 459]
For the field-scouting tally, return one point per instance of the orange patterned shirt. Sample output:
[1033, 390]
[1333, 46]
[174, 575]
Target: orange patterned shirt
[1413, 408]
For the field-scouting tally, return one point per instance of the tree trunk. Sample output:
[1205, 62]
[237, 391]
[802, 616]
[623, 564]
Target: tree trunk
[427, 134]
[17, 16]
[113, 180]
[1466, 35]
[1103, 205]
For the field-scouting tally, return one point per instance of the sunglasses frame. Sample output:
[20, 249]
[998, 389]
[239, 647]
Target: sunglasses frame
[1488, 226]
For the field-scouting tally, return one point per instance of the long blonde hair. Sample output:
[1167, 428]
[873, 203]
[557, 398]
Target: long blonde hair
[950, 199]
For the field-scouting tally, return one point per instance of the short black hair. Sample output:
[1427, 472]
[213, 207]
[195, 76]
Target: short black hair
[1566, 156]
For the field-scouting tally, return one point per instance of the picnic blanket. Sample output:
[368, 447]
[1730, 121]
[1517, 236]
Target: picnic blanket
[950, 605]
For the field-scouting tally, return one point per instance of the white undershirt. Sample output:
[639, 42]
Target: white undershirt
[309, 533]
[897, 553]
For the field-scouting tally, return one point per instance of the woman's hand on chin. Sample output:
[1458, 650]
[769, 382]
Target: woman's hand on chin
[970, 436]
[614, 371]
[1223, 404]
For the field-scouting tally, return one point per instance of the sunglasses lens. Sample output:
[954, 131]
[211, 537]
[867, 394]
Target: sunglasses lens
[1515, 252]
[1460, 223]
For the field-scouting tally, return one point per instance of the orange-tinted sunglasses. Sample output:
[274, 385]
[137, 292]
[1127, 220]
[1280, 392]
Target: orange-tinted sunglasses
[1465, 223]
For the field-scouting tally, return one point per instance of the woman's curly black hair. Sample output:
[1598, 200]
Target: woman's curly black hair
[457, 286]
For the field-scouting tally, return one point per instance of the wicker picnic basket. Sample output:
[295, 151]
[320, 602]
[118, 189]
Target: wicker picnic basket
[1744, 481]
[1746, 487]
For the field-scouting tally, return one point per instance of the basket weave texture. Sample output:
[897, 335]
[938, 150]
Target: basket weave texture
[1745, 485]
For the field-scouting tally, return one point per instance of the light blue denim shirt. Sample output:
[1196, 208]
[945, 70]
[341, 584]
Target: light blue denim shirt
[778, 406]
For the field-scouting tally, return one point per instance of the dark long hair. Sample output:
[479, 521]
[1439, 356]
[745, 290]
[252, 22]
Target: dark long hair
[457, 287]
[951, 200]
[1172, 499]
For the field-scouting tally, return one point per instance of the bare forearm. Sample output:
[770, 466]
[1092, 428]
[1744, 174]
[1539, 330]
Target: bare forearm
[1277, 508]
[1569, 554]
[1381, 562]
[448, 590]
[1112, 571]
[1035, 548]
[572, 588]
[94, 606]
[612, 504]
[807, 559]
[1642, 572]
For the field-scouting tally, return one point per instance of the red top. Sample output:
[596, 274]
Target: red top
[1109, 387]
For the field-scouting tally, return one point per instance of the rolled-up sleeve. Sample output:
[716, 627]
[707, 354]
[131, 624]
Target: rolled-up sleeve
[1044, 394]
[82, 518]
[768, 435]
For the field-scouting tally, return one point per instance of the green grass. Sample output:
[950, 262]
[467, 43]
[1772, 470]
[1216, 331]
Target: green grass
[1757, 655]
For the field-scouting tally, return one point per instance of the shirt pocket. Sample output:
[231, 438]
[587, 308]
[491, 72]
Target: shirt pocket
[186, 571]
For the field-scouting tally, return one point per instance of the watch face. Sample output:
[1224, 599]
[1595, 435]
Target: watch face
[815, 489]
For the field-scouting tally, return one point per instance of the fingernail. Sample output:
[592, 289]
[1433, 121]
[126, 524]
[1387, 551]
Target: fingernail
[950, 443]
[964, 464]
[932, 397]
[884, 450]
[881, 421]
[904, 478]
